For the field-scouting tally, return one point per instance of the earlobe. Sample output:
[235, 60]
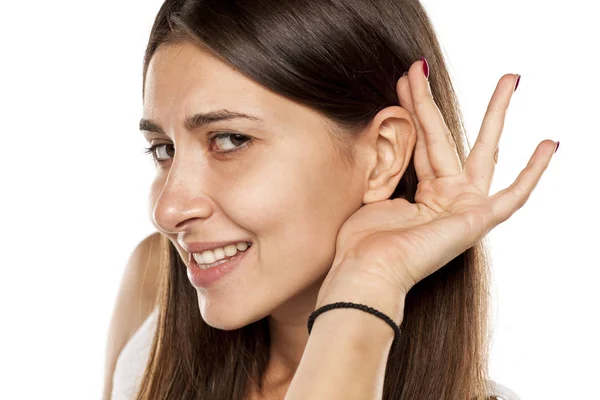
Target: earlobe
[394, 134]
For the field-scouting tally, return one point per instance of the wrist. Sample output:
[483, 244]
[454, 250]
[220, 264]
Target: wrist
[353, 283]
[389, 303]
[354, 325]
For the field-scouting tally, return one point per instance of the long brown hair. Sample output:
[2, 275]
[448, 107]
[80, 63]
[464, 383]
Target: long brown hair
[343, 59]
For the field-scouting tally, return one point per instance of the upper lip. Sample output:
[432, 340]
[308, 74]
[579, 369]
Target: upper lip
[199, 247]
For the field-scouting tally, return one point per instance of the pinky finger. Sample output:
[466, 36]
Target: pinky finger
[506, 202]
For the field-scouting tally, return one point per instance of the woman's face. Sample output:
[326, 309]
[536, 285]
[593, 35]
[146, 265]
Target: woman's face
[286, 190]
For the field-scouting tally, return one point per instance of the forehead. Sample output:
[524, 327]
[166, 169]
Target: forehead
[183, 79]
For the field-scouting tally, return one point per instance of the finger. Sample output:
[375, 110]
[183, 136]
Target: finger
[441, 147]
[420, 158]
[506, 202]
[480, 163]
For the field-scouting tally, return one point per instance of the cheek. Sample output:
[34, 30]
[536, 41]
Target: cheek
[295, 211]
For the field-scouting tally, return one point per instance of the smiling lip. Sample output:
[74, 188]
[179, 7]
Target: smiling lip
[199, 247]
[203, 278]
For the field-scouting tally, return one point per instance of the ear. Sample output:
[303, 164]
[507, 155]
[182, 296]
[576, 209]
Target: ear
[390, 141]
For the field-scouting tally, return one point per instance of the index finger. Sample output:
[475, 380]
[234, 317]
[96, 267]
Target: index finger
[439, 141]
[421, 158]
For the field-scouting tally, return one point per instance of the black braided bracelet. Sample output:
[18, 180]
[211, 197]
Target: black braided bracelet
[390, 322]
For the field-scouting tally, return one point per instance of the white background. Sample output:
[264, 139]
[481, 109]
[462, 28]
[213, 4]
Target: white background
[75, 183]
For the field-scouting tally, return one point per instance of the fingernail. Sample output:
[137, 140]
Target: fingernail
[557, 144]
[517, 84]
[425, 67]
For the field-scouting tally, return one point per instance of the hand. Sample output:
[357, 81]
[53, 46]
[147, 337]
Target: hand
[393, 244]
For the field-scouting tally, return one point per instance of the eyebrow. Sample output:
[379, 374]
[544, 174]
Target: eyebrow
[198, 120]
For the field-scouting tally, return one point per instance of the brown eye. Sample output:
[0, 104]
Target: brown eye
[230, 142]
[159, 154]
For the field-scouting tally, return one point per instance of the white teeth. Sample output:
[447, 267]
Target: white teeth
[230, 250]
[208, 256]
[219, 254]
[211, 258]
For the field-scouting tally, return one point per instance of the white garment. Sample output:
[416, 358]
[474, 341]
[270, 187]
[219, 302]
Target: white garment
[132, 361]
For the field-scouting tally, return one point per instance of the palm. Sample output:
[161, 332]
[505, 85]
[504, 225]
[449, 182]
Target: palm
[400, 243]
[448, 214]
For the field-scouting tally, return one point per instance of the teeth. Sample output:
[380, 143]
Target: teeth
[211, 258]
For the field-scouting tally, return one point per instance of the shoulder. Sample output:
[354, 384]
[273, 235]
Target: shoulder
[136, 299]
[137, 293]
[141, 274]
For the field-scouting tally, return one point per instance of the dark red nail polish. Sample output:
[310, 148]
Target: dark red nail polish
[425, 67]
[557, 144]
[517, 84]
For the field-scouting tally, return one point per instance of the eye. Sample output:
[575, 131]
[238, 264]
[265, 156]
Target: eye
[152, 150]
[231, 138]
[160, 154]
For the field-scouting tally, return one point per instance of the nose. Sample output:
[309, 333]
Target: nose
[181, 199]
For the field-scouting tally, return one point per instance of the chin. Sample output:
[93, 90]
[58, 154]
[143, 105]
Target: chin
[227, 318]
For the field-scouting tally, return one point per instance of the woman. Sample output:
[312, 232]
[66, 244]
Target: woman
[287, 139]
